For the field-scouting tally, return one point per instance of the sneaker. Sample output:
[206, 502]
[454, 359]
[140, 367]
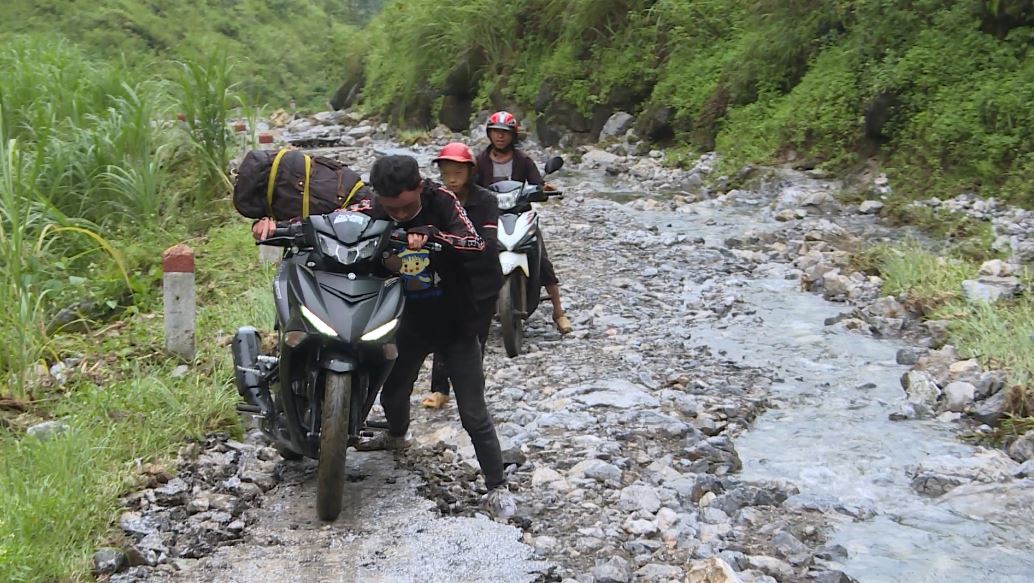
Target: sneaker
[563, 325]
[382, 442]
[435, 400]
[500, 502]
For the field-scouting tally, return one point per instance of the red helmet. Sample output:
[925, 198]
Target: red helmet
[456, 152]
[502, 120]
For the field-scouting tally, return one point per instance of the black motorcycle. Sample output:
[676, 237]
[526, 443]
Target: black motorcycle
[337, 311]
[520, 252]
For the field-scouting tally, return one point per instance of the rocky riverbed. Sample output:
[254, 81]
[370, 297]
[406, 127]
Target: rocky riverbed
[709, 419]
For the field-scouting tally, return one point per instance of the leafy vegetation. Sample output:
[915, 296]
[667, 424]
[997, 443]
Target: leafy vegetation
[286, 49]
[997, 334]
[938, 89]
[124, 408]
[92, 167]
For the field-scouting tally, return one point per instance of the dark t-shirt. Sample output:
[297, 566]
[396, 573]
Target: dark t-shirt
[439, 295]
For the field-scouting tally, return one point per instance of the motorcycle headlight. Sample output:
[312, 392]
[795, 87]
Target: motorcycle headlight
[345, 254]
[507, 200]
[380, 331]
[321, 326]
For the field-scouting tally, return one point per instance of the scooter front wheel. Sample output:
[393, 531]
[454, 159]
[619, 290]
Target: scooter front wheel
[330, 483]
[509, 313]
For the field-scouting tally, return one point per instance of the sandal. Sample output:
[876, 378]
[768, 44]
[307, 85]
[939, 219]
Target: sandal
[563, 325]
[435, 400]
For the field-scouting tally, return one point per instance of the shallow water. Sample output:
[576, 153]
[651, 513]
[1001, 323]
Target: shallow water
[829, 433]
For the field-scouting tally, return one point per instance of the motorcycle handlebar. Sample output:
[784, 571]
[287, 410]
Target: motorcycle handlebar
[283, 236]
[400, 238]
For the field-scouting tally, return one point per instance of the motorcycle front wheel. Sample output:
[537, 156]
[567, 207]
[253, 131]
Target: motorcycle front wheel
[330, 483]
[509, 317]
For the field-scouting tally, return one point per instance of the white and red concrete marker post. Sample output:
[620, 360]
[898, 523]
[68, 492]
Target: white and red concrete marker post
[180, 303]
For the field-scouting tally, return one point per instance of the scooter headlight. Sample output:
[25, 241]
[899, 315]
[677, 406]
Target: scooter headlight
[321, 326]
[507, 200]
[380, 331]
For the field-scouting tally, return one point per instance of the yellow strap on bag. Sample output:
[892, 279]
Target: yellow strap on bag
[272, 180]
[305, 188]
[358, 184]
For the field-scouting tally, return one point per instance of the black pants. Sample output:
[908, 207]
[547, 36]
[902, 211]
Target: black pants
[462, 357]
[439, 372]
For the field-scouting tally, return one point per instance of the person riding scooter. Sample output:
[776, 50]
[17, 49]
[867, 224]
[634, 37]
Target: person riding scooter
[502, 160]
[458, 170]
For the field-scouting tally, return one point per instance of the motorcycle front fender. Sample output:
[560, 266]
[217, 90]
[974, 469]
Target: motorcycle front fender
[510, 261]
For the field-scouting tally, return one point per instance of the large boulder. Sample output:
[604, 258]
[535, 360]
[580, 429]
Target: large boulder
[455, 112]
[617, 125]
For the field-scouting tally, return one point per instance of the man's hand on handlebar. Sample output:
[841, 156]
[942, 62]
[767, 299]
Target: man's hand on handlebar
[416, 241]
[263, 228]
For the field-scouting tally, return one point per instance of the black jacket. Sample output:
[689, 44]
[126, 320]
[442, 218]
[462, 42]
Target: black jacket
[439, 295]
[524, 169]
[486, 275]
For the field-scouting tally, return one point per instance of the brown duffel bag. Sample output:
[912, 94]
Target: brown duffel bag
[289, 184]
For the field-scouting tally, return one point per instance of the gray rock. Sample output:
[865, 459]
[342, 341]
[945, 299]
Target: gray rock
[991, 289]
[1023, 251]
[598, 470]
[921, 390]
[658, 572]
[990, 410]
[938, 475]
[1025, 470]
[887, 307]
[1022, 450]
[996, 268]
[614, 570]
[136, 524]
[790, 548]
[640, 497]
[47, 430]
[616, 125]
[938, 330]
[616, 393]
[712, 570]
[870, 207]
[712, 454]
[180, 371]
[907, 356]
[830, 577]
[173, 492]
[959, 395]
[108, 561]
[596, 158]
[361, 131]
[771, 566]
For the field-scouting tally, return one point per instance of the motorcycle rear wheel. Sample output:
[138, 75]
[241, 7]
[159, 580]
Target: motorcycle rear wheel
[509, 319]
[330, 482]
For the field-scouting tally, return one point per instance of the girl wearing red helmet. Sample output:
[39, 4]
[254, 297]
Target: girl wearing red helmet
[457, 166]
[502, 160]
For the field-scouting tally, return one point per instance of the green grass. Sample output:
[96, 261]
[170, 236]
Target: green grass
[999, 335]
[96, 177]
[59, 498]
[930, 280]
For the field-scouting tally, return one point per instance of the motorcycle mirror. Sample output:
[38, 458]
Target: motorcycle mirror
[553, 164]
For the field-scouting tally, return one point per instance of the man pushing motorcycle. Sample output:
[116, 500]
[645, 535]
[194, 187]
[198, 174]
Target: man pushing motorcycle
[441, 314]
